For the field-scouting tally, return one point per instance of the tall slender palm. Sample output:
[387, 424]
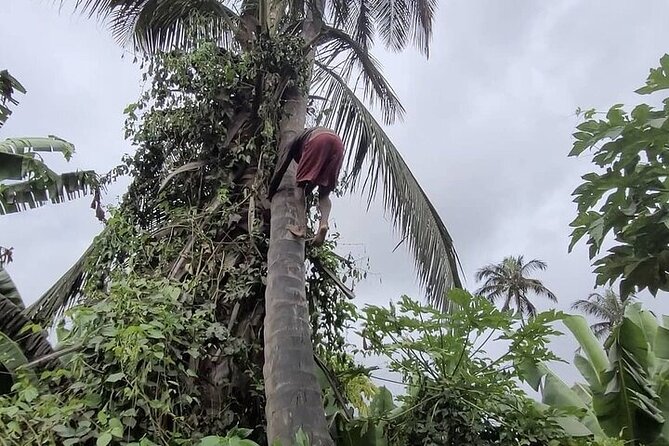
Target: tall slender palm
[608, 307]
[508, 281]
[337, 35]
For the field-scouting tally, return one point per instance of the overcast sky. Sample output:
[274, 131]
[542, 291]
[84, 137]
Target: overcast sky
[487, 132]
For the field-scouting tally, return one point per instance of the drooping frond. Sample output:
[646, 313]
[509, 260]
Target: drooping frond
[592, 308]
[62, 295]
[491, 292]
[399, 23]
[601, 329]
[13, 323]
[394, 23]
[411, 210]
[153, 25]
[41, 191]
[607, 307]
[8, 86]
[19, 161]
[532, 265]
[422, 17]
[525, 306]
[377, 90]
[538, 288]
[9, 290]
[358, 21]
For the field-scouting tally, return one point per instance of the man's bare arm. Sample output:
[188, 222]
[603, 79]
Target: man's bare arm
[291, 154]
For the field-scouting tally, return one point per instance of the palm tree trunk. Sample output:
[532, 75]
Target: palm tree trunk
[293, 393]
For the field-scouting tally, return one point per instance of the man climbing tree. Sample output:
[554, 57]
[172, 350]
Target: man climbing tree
[319, 153]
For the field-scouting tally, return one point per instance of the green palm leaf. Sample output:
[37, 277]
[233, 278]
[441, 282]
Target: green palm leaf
[377, 91]
[9, 290]
[152, 25]
[62, 295]
[412, 211]
[607, 307]
[16, 325]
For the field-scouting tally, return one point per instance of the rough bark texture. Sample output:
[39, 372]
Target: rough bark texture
[293, 393]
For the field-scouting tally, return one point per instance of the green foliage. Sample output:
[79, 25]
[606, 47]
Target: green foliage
[171, 308]
[455, 393]
[629, 198]
[133, 379]
[626, 385]
[236, 437]
[19, 160]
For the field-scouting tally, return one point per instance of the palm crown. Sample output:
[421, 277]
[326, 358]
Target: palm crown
[607, 307]
[342, 69]
[508, 281]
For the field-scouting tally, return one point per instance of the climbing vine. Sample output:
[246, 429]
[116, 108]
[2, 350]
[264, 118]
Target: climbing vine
[167, 338]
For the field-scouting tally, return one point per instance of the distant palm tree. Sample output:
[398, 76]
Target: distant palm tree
[608, 307]
[508, 280]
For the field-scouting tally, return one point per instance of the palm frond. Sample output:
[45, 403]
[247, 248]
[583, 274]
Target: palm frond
[491, 292]
[532, 265]
[413, 213]
[591, 308]
[62, 295]
[153, 25]
[376, 87]
[14, 323]
[11, 358]
[540, 289]
[394, 23]
[601, 329]
[8, 85]
[9, 290]
[360, 22]
[527, 307]
[490, 272]
[339, 12]
[422, 15]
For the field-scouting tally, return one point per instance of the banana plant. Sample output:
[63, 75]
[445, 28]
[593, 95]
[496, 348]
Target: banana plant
[8, 85]
[25, 180]
[626, 390]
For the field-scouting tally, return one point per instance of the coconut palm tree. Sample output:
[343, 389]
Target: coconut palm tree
[608, 307]
[508, 281]
[336, 36]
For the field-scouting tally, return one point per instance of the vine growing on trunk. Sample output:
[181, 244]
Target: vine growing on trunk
[169, 322]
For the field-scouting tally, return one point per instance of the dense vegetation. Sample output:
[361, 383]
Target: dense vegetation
[160, 326]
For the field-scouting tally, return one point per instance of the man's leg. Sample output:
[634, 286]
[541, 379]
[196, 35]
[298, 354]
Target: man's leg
[301, 192]
[324, 206]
